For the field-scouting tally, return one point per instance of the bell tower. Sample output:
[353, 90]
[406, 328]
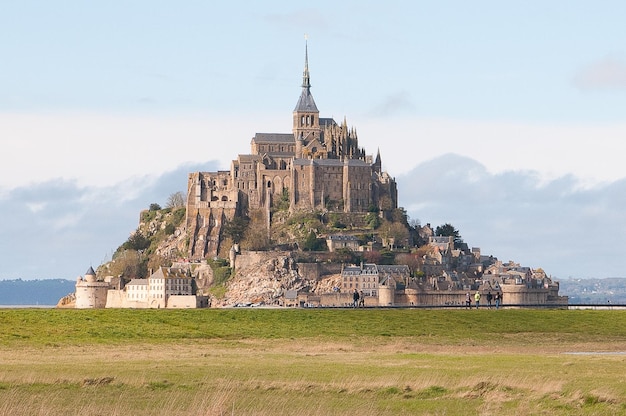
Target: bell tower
[306, 123]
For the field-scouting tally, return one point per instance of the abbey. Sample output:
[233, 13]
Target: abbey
[319, 165]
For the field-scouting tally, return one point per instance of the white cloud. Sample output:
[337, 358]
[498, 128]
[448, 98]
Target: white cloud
[592, 153]
[35, 207]
[608, 73]
[100, 150]
[393, 104]
[105, 149]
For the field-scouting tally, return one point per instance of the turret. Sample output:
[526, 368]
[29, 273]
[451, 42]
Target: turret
[378, 163]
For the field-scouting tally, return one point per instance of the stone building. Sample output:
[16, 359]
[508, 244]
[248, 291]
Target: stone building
[90, 292]
[318, 165]
[168, 287]
[342, 241]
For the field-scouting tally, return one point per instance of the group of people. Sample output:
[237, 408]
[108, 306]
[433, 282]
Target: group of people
[490, 298]
[358, 299]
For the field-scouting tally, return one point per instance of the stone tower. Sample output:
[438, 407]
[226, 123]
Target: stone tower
[306, 122]
[90, 293]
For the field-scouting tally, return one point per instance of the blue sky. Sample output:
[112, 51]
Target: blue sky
[505, 119]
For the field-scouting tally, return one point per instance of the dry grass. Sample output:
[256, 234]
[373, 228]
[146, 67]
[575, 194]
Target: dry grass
[262, 377]
[311, 363]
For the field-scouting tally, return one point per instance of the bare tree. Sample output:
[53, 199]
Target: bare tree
[175, 200]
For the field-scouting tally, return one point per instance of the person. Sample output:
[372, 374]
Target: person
[361, 299]
[355, 298]
[489, 299]
[468, 300]
[498, 297]
[477, 299]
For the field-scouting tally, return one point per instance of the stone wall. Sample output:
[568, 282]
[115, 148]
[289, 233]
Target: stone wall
[91, 294]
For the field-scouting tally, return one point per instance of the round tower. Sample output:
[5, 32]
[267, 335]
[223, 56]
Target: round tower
[90, 293]
[386, 292]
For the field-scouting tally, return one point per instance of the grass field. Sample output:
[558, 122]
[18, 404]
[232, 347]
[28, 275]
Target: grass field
[312, 362]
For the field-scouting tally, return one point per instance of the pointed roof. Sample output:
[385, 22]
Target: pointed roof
[90, 272]
[306, 102]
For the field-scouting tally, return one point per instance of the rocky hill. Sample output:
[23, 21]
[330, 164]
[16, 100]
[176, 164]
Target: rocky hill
[266, 266]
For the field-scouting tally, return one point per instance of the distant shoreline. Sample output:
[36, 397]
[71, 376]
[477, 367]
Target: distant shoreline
[27, 306]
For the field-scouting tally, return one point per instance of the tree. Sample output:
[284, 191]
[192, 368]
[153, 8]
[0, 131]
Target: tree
[372, 257]
[345, 255]
[256, 236]
[175, 200]
[447, 230]
[236, 228]
[281, 203]
[312, 243]
[400, 215]
[156, 261]
[155, 207]
[399, 233]
[373, 220]
[137, 242]
[415, 239]
[412, 260]
[129, 264]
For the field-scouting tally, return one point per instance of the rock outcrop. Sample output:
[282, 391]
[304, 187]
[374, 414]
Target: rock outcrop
[264, 277]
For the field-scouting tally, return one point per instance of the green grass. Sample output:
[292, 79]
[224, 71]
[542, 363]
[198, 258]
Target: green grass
[312, 362]
[458, 327]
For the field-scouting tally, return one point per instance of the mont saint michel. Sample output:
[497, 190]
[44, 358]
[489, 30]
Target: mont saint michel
[306, 218]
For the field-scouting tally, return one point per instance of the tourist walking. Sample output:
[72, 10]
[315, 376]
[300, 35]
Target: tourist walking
[355, 298]
[361, 299]
[489, 299]
[498, 297]
[468, 300]
[477, 299]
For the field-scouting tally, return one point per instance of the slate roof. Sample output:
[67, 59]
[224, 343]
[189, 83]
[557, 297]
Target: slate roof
[342, 237]
[306, 102]
[327, 122]
[330, 162]
[274, 138]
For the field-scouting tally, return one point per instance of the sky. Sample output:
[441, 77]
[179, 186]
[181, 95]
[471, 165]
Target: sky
[505, 119]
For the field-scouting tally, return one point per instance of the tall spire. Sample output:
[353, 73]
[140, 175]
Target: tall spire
[306, 78]
[306, 102]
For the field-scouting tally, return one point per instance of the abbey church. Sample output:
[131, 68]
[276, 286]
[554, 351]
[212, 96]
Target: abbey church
[319, 165]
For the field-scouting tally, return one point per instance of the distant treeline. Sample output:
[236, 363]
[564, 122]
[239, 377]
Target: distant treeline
[34, 292]
[598, 291]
